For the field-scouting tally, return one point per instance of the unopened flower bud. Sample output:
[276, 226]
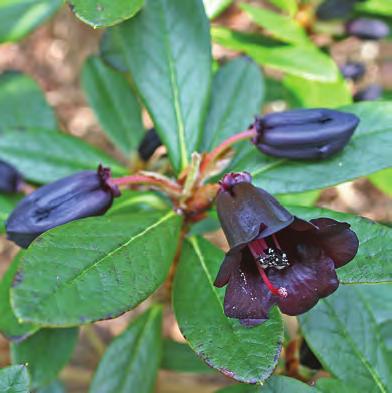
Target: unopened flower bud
[304, 133]
[10, 179]
[84, 194]
[369, 93]
[353, 70]
[367, 29]
[335, 9]
[149, 144]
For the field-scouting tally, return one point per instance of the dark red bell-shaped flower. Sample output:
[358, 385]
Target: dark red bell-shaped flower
[84, 194]
[10, 178]
[304, 134]
[275, 257]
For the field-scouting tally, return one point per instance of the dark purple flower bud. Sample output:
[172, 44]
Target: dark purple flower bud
[353, 70]
[369, 93]
[335, 9]
[306, 134]
[274, 257]
[367, 29]
[149, 144]
[10, 178]
[307, 357]
[84, 194]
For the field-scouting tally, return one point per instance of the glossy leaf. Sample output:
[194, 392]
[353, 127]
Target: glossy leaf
[130, 364]
[22, 103]
[54, 387]
[10, 327]
[305, 61]
[215, 7]
[290, 6]
[341, 330]
[45, 353]
[179, 357]
[14, 379]
[281, 27]
[43, 157]
[160, 46]
[319, 94]
[237, 94]
[67, 273]
[383, 180]
[247, 355]
[114, 104]
[373, 262]
[306, 199]
[275, 384]
[103, 13]
[111, 50]
[20, 17]
[331, 385]
[367, 152]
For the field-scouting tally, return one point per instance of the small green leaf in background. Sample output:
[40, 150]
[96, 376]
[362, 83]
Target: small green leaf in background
[111, 52]
[20, 17]
[237, 94]
[130, 364]
[381, 7]
[22, 103]
[245, 354]
[367, 152]
[179, 357]
[373, 262]
[103, 13]
[330, 385]
[7, 204]
[114, 104]
[342, 332]
[95, 268]
[132, 201]
[306, 199]
[44, 157]
[319, 94]
[54, 387]
[215, 7]
[275, 91]
[10, 327]
[290, 6]
[281, 27]
[209, 224]
[162, 46]
[383, 181]
[14, 379]
[305, 61]
[275, 384]
[45, 353]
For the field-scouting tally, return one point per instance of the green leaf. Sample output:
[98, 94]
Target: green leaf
[237, 94]
[20, 17]
[132, 201]
[215, 7]
[383, 180]
[290, 6]
[114, 104]
[179, 357]
[7, 204]
[275, 384]
[43, 157]
[319, 94]
[373, 262]
[160, 46]
[330, 385]
[130, 364]
[10, 327]
[22, 103]
[306, 199]
[247, 355]
[380, 7]
[95, 268]
[275, 91]
[209, 224]
[14, 379]
[367, 152]
[281, 27]
[54, 387]
[103, 13]
[342, 332]
[305, 61]
[45, 353]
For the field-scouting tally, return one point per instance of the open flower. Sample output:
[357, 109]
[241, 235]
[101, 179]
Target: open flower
[84, 194]
[275, 257]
